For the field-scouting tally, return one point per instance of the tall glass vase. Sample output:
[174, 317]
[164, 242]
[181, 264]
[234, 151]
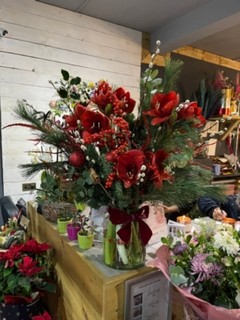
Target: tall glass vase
[120, 255]
[125, 243]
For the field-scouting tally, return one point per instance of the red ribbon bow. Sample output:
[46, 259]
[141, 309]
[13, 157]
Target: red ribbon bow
[117, 216]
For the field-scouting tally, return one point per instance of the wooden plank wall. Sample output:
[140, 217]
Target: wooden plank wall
[41, 41]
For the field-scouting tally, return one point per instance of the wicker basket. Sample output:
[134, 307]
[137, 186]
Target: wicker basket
[51, 210]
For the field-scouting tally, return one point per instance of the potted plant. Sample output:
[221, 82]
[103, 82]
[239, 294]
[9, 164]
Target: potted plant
[86, 233]
[75, 226]
[24, 274]
[64, 218]
[54, 195]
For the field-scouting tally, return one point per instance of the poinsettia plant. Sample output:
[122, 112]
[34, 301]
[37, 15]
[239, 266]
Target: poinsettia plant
[114, 151]
[24, 272]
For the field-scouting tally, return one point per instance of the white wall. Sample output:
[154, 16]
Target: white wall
[41, 41]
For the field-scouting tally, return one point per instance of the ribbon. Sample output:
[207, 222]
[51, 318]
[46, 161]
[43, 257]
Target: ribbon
[117, 216]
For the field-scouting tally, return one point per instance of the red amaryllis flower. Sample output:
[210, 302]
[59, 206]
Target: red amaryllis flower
[94, 121]
[34, 247]
[72, 120]
[28, 267]
[162, 106]
[102, 95]
[157, 171]
[192, 111]
[129, 166]
[126, 103]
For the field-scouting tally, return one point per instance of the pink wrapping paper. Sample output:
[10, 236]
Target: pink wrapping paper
[203, 309]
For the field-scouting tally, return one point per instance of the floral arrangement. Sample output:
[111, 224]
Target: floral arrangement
[101, 148]
[204, 267]
[24, 269]
[110, 151]
[11, 233]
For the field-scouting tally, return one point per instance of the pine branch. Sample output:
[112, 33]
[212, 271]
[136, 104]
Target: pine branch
[172, 72]
[37, 120]
[31, 169]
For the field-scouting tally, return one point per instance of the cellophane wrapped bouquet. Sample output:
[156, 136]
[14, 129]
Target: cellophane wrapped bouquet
[204, 267]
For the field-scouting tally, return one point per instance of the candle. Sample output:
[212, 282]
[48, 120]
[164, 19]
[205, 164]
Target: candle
[186, 221]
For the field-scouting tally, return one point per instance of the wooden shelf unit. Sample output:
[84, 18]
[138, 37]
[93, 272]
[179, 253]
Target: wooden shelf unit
[232, 121]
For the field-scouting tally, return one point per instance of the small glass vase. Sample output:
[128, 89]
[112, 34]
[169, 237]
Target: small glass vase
[120, 255]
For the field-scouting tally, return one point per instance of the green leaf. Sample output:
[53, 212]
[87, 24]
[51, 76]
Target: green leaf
[75, 95]
[65, 75]
[25, 284]
[12, 283]
[177, 275]
[75, 81]
[81, 194]
[63, 93]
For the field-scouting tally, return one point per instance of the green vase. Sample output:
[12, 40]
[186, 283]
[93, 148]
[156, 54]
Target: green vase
[62, 225]
[85, 241]
[120, 255]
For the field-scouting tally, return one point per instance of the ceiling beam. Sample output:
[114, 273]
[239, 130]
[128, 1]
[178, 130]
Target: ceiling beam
[208, 57]
[186, 51]
[214, 16]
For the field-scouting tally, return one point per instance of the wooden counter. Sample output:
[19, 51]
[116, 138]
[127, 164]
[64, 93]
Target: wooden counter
[88, 290]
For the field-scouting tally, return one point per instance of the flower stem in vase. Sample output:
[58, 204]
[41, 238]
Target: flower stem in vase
[136, 248]
[121, 248]
[109, 243]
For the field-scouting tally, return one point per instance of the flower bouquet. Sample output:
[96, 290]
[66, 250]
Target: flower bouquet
[11, 233]
[204, 267]
[114, 153]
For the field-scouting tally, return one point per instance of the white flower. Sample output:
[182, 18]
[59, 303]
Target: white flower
[225, 241]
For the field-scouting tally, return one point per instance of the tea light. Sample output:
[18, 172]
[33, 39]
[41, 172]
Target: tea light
[230, 221]
[186, 221]
[237, 225]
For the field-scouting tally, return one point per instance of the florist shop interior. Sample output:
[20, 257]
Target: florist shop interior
[120, 181]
